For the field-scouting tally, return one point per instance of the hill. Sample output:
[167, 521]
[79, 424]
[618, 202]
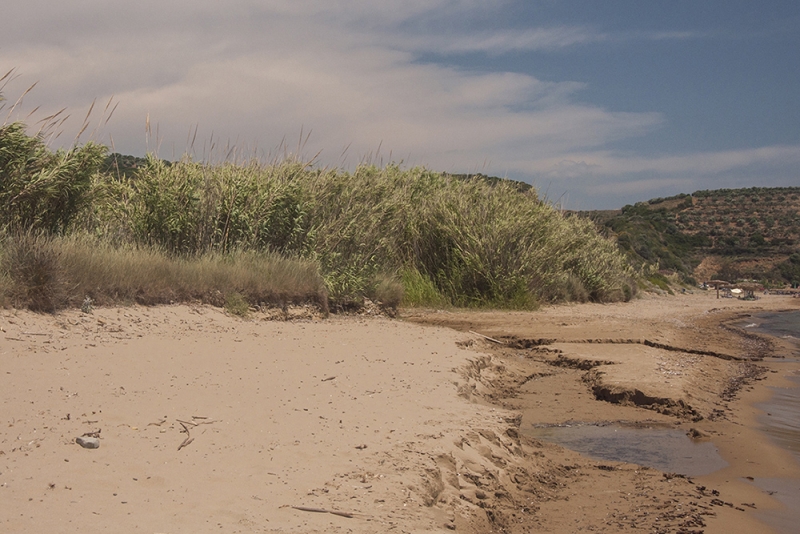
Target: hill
[123, 166]
[729, 234]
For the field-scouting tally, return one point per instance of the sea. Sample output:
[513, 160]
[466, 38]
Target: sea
[780, 418]
[783, 325]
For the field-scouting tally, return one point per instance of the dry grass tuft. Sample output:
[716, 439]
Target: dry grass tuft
[48, 273]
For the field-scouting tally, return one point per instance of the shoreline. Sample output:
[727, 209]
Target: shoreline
[728, 406]
[751, 453]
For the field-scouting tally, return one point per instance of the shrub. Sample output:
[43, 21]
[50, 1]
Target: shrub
[419, 290]
[236, 304]
[478, 242]
[386, 291]
[52, 272]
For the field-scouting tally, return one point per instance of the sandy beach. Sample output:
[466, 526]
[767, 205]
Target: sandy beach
[368, 424]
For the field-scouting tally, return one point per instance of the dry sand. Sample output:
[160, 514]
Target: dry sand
[406, 425]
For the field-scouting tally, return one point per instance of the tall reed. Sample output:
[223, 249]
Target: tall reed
[372, 233]
[476, 242]
[40, 189]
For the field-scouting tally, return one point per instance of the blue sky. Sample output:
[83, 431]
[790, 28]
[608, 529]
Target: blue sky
[598, 104]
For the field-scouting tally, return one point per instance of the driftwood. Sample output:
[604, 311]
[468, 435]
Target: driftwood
[184, 423]
[187, 424]
[493, 340]
[187, 441]
[323, 511]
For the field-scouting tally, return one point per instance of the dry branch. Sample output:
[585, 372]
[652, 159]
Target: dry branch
[493, 340]
[323, 511]
[187, 441]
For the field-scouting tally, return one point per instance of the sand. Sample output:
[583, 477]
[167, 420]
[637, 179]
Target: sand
[213, 423]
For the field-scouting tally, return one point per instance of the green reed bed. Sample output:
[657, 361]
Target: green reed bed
[289, 232]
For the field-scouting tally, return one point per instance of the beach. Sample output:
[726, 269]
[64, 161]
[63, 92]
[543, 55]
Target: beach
[208, 422]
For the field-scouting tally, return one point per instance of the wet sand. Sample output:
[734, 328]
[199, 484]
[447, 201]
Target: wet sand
[675, 362]
[213, 423]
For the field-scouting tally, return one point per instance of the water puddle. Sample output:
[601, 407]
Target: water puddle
[666, 449]
[670, 450]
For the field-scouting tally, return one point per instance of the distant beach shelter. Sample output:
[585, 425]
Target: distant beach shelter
[718, 284]
[749, 289]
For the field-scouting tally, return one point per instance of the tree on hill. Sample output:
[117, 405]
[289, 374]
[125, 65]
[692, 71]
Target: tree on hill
[755, 229]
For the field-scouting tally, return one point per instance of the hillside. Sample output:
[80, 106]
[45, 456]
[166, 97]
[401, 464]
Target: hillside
[123, 166]
[731, 234]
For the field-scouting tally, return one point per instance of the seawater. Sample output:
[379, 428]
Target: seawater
[781, 417]
[783, 325]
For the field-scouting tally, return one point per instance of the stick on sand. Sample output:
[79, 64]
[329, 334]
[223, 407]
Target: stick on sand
[323, 511]
[493, 340]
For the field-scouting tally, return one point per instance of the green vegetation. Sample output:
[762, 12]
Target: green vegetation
[80, 226]
[40, 189]
[790, 269]
[730, 234]
[660, 281]
[120, 165]
[236, 304]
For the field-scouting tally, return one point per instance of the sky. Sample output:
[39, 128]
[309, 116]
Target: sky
[597, 104]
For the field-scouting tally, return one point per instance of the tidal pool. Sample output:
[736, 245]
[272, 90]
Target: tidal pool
[666, 449]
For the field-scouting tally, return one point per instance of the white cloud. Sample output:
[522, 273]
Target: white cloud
[262, 71]
[500, 42]
[604, 163]
[257, 72]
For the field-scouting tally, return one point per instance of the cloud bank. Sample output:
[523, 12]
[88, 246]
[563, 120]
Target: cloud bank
[357, 75]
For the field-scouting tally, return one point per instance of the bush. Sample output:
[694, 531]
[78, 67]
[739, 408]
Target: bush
[661, 282]
[386, 291]
[419, 290]
[236, 304]
[478, 242]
